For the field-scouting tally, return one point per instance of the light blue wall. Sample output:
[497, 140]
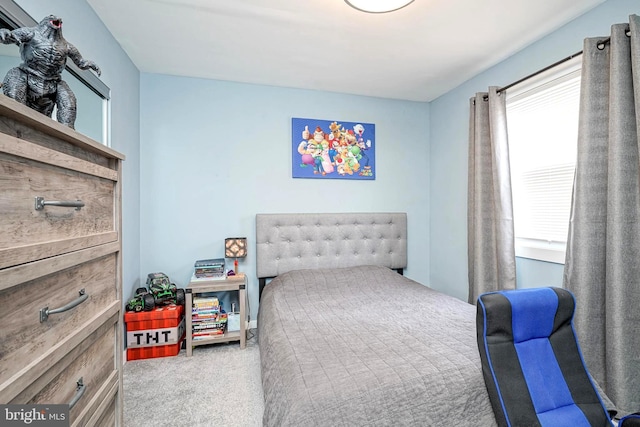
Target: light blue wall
[449, 140]
[85, 30]
[216, 153]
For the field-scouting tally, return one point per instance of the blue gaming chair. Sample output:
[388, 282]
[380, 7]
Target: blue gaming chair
[531, 360]
[631, 420]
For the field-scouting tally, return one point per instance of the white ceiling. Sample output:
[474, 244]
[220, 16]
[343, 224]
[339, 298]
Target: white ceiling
[416, 53]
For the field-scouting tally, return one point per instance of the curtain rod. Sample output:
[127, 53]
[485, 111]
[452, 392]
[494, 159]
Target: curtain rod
[601, 45]
[548, 67]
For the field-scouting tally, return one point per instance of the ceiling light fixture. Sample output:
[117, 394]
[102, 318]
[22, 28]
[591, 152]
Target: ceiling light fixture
[378, 6]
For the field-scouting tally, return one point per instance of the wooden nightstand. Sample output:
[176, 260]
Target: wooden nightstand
[231, 283]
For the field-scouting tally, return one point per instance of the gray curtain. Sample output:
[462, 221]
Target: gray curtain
[602, 265]
[491, 253]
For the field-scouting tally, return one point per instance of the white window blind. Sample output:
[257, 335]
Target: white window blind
[542, 119]
[543, 211]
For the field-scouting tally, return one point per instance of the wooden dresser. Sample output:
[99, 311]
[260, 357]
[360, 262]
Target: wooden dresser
[60, 268]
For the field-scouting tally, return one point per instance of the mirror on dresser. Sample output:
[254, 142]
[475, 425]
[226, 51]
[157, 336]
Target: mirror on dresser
[91, 93]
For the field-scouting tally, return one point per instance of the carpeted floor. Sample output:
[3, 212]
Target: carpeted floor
[219, 385]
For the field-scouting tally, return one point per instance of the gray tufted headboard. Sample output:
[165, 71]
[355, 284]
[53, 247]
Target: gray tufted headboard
[329, 240]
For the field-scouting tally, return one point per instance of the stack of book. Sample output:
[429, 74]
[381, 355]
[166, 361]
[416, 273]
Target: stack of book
[209, 269]
[207, 318]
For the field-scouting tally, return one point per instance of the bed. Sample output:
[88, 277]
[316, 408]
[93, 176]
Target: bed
[345, 340]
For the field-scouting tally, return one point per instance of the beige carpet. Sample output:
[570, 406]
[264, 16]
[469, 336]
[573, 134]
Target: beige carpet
[219, 385]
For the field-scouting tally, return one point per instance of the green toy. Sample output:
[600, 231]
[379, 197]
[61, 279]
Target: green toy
[164, 292]
[142, 300]
[159, 291]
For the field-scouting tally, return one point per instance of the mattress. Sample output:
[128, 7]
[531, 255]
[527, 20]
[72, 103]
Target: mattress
[365, 346]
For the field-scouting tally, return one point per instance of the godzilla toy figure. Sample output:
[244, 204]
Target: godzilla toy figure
[37, 81]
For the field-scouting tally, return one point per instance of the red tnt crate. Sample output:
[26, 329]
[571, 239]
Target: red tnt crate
[155, 333]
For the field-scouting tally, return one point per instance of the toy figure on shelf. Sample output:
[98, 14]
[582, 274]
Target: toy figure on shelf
[37, 81]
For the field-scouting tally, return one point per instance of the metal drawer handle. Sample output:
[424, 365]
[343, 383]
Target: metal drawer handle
[41, 203]
[45, 312]
[80, 389]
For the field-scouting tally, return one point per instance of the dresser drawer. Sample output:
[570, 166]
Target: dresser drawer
[106, 416]
[86, 377]
[28, 171]
[24, 338]
[92, 369]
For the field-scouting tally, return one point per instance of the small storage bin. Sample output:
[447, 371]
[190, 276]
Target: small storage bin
[155, 333]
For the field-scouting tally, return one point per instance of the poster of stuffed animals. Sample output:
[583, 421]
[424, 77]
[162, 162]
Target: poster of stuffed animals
[330, 149]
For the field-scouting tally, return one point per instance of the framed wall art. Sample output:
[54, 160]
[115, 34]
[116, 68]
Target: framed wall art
[332, 149]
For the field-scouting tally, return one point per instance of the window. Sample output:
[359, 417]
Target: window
[542, 119]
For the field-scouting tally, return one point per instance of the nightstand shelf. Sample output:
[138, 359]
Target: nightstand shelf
[200, 286]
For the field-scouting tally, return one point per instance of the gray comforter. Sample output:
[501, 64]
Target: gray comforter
[366, 346]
